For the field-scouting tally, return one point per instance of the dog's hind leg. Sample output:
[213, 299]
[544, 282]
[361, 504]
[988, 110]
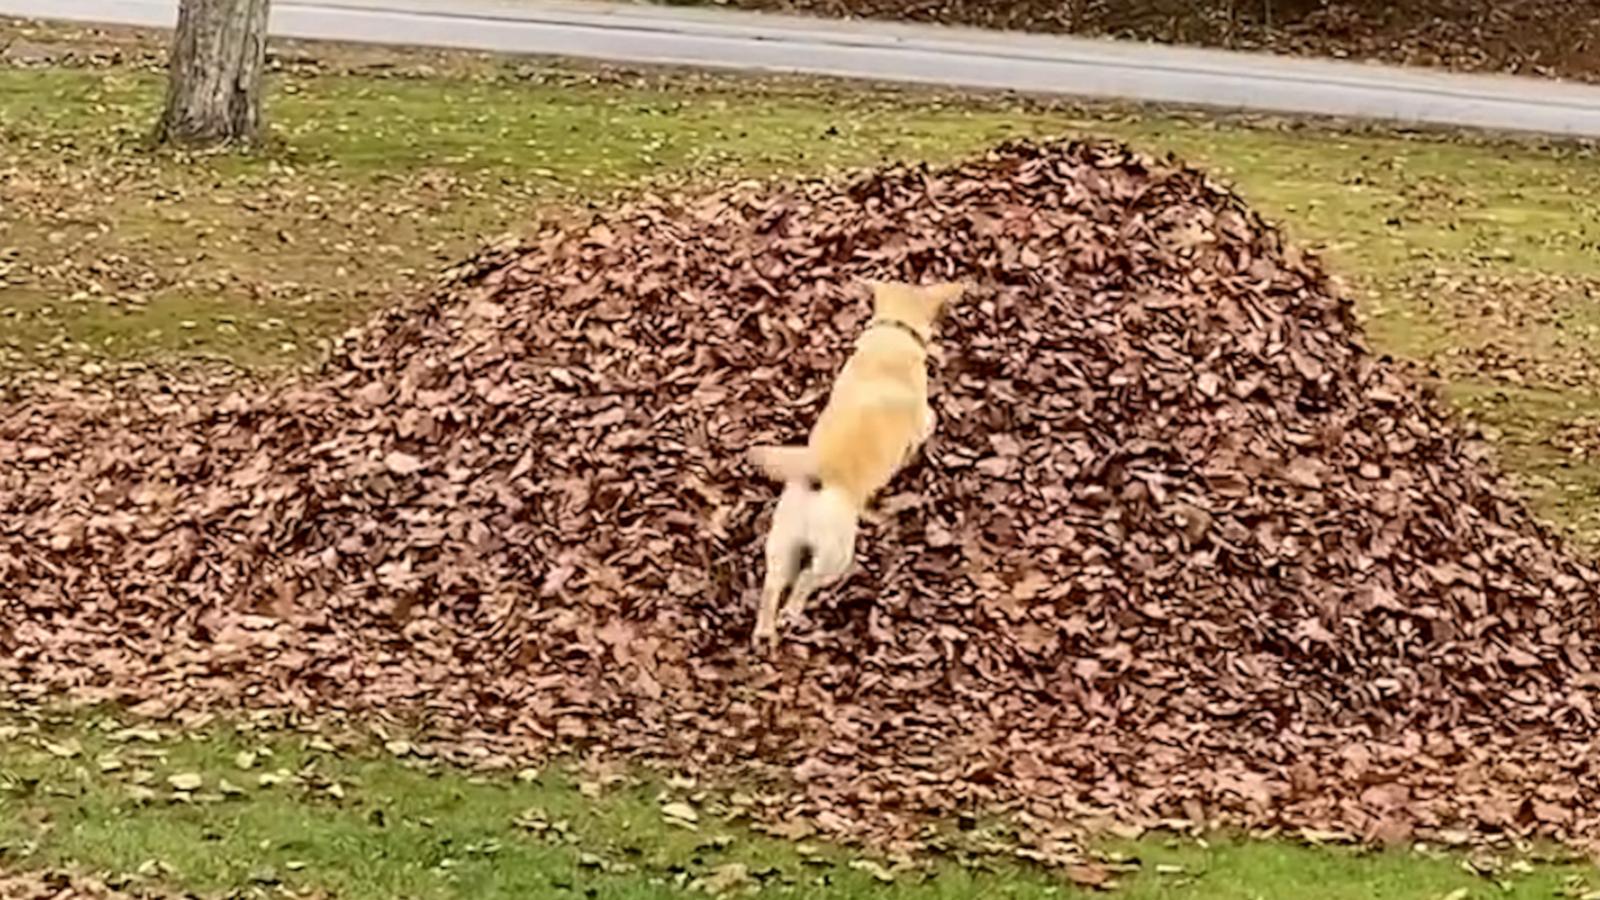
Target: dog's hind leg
[805, 584]
[830, 562]
[766, 633]
[785, 541]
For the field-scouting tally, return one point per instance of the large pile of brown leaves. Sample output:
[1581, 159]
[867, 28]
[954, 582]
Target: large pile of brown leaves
[1181, 548]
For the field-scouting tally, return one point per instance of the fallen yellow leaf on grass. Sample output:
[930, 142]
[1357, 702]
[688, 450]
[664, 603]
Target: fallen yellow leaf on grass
[680, 814]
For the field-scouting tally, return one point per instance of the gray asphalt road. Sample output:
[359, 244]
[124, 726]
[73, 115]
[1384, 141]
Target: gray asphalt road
[921, 54]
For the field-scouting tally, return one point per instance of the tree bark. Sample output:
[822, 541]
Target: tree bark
[219, 54]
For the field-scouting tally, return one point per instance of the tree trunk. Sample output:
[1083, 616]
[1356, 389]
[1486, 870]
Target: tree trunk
[214, 90]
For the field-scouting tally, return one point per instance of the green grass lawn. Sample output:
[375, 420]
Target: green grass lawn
[1474, 262]
[219, 809]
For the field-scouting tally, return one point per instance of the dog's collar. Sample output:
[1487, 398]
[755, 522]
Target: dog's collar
[896, 323]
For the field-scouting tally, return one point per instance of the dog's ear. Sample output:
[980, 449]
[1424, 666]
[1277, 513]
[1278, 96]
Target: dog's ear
[941, 295]
[784, 464]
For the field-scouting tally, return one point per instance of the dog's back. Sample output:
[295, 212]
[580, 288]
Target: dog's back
[875, 416]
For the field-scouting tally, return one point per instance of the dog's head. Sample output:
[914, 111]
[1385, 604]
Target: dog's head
[917, 306]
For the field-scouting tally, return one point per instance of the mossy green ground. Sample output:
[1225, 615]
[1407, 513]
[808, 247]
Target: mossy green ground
[1474, 261]
[278, 812]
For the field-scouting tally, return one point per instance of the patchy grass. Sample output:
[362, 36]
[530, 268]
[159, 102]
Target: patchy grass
[224, 809]
[112, 250]
[377, 181]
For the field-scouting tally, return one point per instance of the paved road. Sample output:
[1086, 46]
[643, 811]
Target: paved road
[955, 57]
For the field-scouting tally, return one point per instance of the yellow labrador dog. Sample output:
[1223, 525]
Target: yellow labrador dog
[876, 418]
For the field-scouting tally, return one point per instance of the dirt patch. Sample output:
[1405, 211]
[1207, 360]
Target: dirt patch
[1180, 549]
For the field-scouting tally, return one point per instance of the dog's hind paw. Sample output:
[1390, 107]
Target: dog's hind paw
[791, 618]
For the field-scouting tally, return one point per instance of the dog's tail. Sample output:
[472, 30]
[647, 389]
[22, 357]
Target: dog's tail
[788, 464]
